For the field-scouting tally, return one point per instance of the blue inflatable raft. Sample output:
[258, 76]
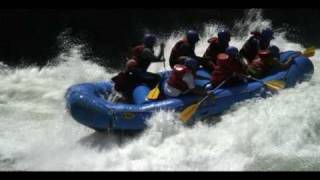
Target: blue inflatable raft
[87, 105]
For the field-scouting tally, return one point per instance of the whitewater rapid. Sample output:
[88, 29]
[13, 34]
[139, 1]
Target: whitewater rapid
[277, 133]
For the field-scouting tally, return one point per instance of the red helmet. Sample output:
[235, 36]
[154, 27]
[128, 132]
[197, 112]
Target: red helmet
[222, 59]
[130, 65]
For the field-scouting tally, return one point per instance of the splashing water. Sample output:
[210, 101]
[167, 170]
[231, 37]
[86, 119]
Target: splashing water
[277, 133]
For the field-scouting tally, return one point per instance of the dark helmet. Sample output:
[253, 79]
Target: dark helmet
[224, 35]
[267, 34]
[149, 39]
[275, 51]
[191, 63]
[232, 52]
[192, 36]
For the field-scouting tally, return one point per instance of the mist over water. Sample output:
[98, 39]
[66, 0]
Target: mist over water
[277, 133]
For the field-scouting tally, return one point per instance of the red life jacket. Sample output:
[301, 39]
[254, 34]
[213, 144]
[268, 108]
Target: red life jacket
[218, 75]
[122, 82]
[214, 49]
[177, 74]
[255, 33]
[176, 53]
[250, 49]
[137, 51]
[224, 68]
[220, 70]
[213, 40]
[130, 65]
[259, 66]
[136, 55]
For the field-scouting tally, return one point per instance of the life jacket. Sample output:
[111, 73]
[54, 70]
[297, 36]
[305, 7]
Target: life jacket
[257, 68]
[177, 74]
[177, 52]
[251, 48]
[136, 54]
[130, 65]
[137, 51]
[225, 68]
[123, 82]
[214, 49]
[253, 45]
[120, 80]
[220, 69]
[218, 75]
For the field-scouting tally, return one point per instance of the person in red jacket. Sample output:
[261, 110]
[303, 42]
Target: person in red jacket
[184, 48]
[125, 82]
[181, 80]
[217, 45]
[266, 61]
[144, 53]
[228, 68]
[258, 41]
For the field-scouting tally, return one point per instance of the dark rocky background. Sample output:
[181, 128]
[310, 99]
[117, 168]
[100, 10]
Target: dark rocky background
[31, 36]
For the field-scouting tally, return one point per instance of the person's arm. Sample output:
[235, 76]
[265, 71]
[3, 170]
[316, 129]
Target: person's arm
[189, 79]
[161, 53]
[286, 64]
[187, 50]
[148, 54]
[243, 61]
[144, 77]
[290, 59]
[135, 73]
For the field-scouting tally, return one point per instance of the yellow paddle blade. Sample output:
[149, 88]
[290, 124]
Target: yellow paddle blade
[309, 52]
[275, 85]
[154, 93]
[187, 113]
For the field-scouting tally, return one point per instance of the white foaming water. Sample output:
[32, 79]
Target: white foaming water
[277, 133]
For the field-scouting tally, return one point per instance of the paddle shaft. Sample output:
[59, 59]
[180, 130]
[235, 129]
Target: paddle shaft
[206, 97]
[164, 62]
[249, 77]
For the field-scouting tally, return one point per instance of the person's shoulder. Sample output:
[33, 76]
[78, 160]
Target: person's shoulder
[147, 50]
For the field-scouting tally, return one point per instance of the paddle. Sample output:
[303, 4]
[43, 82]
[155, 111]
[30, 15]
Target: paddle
[187, 113]
[154, 93]
[273, 85]
[309, 52]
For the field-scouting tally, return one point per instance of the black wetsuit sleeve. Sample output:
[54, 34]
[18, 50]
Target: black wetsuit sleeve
[148, 54]
[138, 76]
[187, 50]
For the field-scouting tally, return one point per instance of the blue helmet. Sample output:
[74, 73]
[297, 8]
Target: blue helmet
[191, 63]
[224, 35]
[149, 39]
[192, 36]
[233, 52]
[267, 34]
[275, 51]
